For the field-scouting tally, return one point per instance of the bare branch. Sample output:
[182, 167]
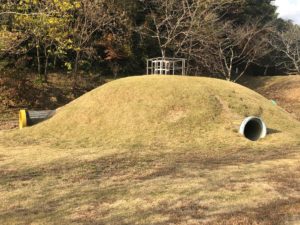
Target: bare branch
[288, 44]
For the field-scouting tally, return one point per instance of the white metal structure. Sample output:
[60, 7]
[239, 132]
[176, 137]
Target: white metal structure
[166, 66]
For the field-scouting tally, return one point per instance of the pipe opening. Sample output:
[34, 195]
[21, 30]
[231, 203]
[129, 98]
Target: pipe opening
[253, 128]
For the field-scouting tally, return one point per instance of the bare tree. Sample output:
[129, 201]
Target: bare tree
[197, 44]
[288, 44]
[172, 22]
[239, 47]
[191, 28]
[196, 30]
[168, 20]
[224, 49]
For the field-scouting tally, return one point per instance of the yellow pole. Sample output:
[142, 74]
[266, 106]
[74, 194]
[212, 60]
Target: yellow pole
[22, 119]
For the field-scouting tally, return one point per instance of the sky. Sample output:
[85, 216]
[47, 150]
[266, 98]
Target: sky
[289, 9]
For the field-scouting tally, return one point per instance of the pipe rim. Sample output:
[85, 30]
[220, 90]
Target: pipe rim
[261, 123]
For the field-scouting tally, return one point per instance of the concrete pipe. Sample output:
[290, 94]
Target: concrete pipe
[30, 118]
[253, 128]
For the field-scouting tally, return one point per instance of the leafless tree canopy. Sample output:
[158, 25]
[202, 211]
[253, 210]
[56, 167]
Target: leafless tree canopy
[196, 30]
[288, 44]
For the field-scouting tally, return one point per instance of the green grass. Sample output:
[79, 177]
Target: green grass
[153, 150]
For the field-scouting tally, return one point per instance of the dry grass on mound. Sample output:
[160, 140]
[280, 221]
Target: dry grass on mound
[162, 150]
[285, 90]
[164, 111]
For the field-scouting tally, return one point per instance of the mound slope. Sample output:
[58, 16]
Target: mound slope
[284, 89]
[164, 111]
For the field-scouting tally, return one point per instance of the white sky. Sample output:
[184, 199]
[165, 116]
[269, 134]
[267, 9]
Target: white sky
[289, 9]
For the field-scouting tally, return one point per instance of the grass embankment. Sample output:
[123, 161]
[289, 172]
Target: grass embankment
[153, 150]
[285, 90]
[163, 111]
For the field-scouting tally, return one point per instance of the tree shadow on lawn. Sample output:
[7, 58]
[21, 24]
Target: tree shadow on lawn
[82, 180]
[162, 163]
[275, 212]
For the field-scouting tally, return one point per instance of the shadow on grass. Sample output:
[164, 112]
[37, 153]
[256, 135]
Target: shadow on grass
[109, 179]
[162, 164]
[273, 131]
[276, 212]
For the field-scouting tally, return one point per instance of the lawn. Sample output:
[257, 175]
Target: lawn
[41, 185]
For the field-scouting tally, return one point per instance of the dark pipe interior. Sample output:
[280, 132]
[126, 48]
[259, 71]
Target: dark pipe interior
[35, 117]
[253, 130]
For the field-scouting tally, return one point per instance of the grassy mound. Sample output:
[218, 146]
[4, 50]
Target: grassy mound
[163, 111]
[153, 150]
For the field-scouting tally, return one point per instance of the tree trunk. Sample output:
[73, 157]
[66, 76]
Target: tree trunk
[163, 53]
[76, 62]
[54, 62]
[296, 66]
[46, 65]
[46, 69]
[266, 70]
[38, 57]
[75, 71]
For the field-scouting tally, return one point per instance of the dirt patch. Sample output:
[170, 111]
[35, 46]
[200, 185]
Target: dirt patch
[8, 125]
[8, 119]
[292, 94]
[176, 114]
